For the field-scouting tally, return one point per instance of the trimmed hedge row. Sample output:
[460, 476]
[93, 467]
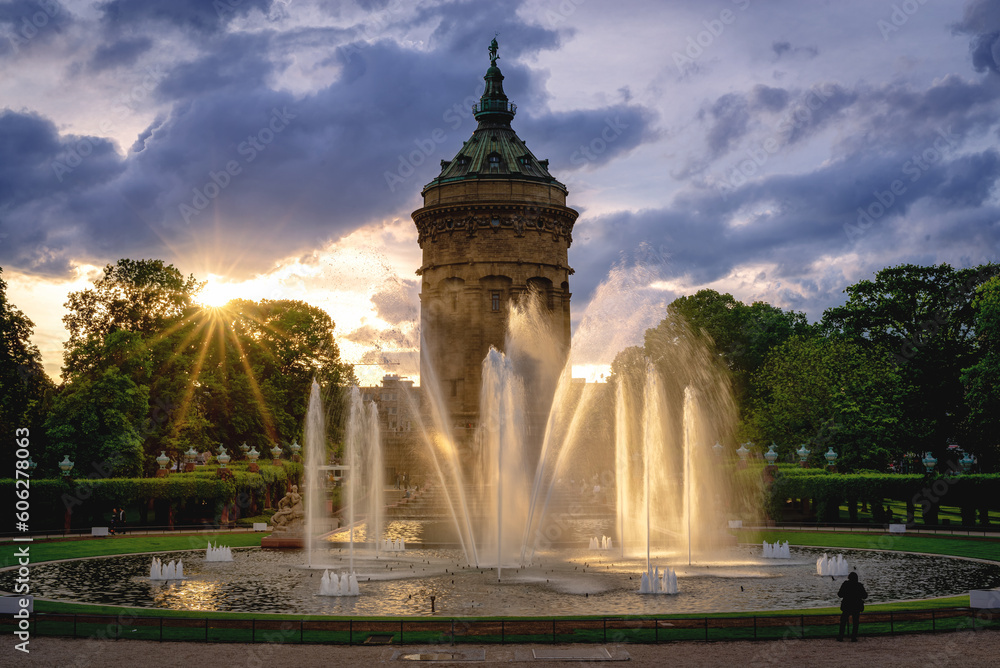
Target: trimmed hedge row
[971, 493]
[49, 498]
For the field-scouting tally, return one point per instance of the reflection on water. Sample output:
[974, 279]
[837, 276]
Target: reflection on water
[575, 582]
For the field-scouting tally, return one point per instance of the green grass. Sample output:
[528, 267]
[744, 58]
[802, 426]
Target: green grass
[944, 545]
[97, 547]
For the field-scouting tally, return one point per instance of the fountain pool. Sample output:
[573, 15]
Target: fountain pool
[574, 581]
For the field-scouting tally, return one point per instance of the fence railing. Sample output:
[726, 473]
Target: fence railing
[621, 629]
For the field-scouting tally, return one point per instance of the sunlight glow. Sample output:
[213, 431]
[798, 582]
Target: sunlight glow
[216, 293]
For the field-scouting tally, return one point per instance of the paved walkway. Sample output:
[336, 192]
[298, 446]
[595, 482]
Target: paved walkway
[965, 648]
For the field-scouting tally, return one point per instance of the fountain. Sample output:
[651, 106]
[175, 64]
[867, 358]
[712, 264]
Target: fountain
[331, 585]
[602, 543]
[776, 550]
[835, 566]
[218, 553]
[393, 545]
[653, 583]
[172, 571]
[364, 489]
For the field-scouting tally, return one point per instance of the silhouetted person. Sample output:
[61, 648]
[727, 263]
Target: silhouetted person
[853, 595]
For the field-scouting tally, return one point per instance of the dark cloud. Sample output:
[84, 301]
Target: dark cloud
[784, 48]
[586, 139]
[239, 171]
[770, 99]
[198, 15]
[730, 120]
[36, 182]
[982, 22]
[789, 221]
[123, 52]
[26, 25]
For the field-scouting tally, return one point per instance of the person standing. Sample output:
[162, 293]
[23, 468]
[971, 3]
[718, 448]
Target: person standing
[853, 595]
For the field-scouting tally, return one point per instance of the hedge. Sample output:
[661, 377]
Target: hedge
[50, 497]
[971, 493]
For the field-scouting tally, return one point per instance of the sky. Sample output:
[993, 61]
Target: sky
[778, 150]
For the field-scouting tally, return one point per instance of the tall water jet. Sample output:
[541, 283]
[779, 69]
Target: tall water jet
[364, 485]
[689, 443]
[317, 519]
[375, 478]
[668, 407]
[501, 472]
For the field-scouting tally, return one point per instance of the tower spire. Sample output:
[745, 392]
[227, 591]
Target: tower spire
[493, 105]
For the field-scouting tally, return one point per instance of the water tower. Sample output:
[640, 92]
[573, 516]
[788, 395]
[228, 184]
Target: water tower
[494, 227]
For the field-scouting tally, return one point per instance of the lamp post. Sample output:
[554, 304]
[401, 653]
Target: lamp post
[65, 466]
[803, 454]
[929, 462]
[162, 460]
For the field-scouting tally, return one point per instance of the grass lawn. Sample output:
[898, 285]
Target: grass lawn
[96, 547]
[949, 546]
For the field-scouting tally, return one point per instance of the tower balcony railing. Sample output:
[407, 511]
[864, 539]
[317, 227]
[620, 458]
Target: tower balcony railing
[487, 106]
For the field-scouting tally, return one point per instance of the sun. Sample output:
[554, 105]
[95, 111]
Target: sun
[215, 293]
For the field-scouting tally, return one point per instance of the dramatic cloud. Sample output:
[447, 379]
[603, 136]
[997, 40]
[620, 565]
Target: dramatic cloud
[240, 170]
[800, 149]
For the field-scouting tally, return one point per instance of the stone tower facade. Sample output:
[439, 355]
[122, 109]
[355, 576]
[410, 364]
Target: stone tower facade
[494, 227]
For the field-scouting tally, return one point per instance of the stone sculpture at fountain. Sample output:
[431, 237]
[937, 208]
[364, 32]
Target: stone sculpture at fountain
[291, 512]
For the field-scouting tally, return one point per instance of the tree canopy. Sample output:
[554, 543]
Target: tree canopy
[25, 388]
[148, 370]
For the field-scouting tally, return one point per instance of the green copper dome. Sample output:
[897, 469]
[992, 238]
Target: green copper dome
[494, 151]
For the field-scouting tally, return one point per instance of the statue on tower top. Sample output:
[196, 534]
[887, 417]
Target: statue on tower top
[494, 47]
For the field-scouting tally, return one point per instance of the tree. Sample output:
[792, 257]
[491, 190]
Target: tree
[139, 296]
[830, 392]
[25, 388]
[209, 376]
[97, 422]
[263, 358]
[742, 335]
[924, 316]
[982, 379]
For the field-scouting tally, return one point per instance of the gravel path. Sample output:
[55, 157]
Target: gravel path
[947, 649]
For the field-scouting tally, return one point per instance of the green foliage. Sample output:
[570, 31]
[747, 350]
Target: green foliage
[25, 389]
[742, 334]
[924, 317]
[149, 371]
[96, 423]
[829, 392]
[982, 379]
